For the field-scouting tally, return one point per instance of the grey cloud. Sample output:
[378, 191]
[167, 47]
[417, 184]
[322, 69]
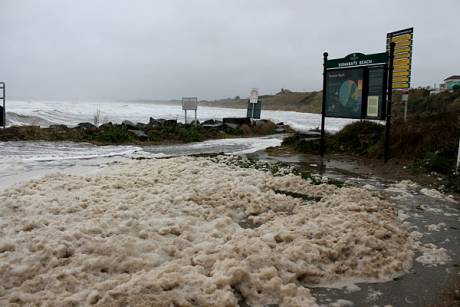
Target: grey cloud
[68, 49]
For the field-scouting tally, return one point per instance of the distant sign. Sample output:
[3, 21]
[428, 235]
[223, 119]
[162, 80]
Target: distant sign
[356, 86]
[189, 103]
[254, 110]
[253, 96]
[403, 40]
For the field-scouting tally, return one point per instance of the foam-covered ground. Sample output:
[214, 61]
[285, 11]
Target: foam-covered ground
[191, 232]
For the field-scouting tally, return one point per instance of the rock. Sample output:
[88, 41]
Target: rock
[86, 125]
[171, 122]
[236, 122]
[140, 134]
[106, 125]
[211, 122]
[142, 126]
[261, 122]
[153, 122]
[128, 124]
[215, 126]
[280, 129]
[58, 127]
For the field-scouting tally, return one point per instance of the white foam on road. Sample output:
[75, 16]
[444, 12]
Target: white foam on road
[190, 231]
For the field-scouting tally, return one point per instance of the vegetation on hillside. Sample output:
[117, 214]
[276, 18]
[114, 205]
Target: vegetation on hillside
[428, 139]
[285, 100]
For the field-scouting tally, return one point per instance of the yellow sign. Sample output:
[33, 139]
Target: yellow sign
[400, 79]
[403, 40]
[403, 37]
[402, 49]
[401, 62]
[403, 44]
[401, 67]
[403, 55]
[402, 73]
[397, 86]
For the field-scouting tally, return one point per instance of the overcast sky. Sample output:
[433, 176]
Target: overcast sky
[110, 49]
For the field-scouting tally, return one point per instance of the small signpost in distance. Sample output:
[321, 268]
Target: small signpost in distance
[2, 105]
[190, 103]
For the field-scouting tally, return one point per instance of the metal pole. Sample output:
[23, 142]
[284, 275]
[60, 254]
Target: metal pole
[196, 122]
[458, 158]
[386, 153]
[323, 110]
[4, 107]
[253, 107]
[405, 98]
[186, 116]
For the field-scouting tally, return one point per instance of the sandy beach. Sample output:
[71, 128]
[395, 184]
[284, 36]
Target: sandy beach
[192, 231]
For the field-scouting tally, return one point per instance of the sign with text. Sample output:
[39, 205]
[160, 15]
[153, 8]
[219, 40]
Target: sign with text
[356, 86]
[189, 103]
[358, 59]
[403, 40]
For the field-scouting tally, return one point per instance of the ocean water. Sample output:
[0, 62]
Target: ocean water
[23, 160]
[45, 113]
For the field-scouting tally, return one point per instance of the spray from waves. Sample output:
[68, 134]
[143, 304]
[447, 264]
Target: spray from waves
[15, 119]
[46, 113]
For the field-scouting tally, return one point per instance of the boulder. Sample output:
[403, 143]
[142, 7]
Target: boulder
[211, 122]
[58, 127]
[142, 126]
[129, 124]
[171, 122]
[280, 129]
[139, 133]
[236, 122]
[106, 126]
[86, 125]
[153, 122]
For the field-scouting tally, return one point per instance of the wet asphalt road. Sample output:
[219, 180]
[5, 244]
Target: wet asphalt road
[424, 285]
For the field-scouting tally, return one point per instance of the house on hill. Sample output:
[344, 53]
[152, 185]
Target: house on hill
[452, 82]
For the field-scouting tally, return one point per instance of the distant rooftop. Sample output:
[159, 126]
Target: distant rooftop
[454, 77]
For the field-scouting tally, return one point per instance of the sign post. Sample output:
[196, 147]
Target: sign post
[386, 153]
[190, 103]
[254, 105]
[458, 158]
[323, 110]
[2, 107]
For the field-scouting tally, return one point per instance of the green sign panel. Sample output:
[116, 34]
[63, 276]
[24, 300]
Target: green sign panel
[358, 59]
[356, 86]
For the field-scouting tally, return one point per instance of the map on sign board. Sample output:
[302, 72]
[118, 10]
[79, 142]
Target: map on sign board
[344, 93]
[403, 40]
[189, 103]
[253, 97]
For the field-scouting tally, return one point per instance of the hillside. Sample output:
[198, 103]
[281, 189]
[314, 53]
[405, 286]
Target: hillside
[285, 100]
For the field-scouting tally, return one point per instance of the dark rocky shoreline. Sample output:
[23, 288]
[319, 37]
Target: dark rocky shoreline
[156, 131]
